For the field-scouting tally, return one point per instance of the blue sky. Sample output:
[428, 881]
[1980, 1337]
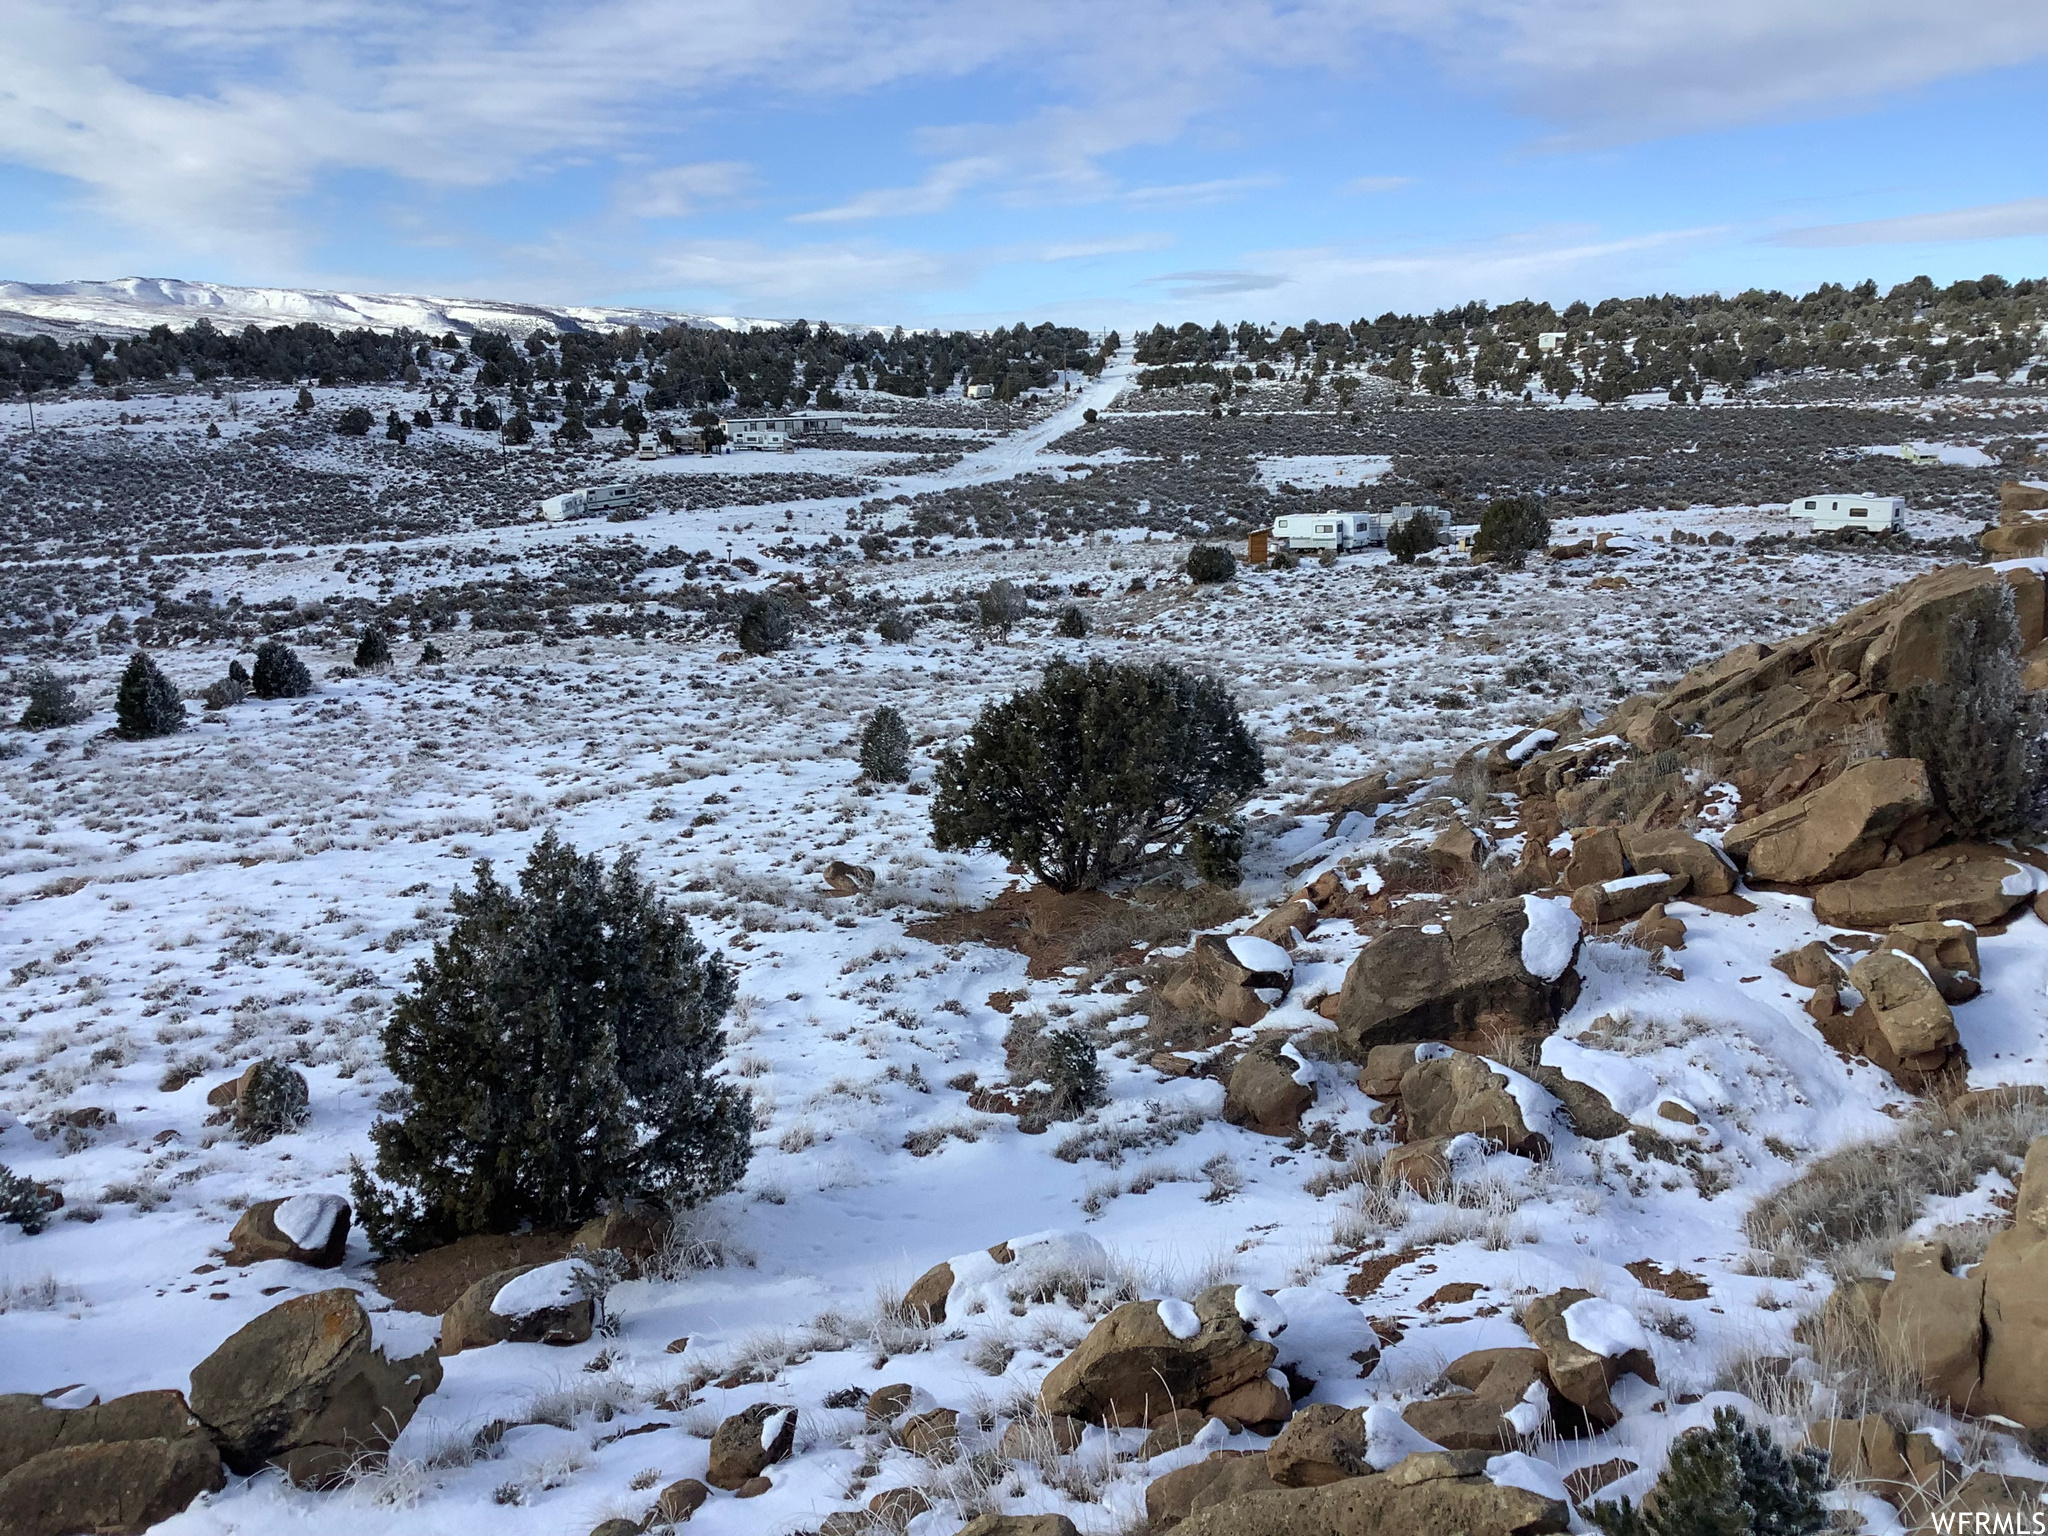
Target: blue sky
[934, 161]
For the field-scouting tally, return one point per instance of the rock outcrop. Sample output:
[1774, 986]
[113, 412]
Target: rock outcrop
[748, 1443]
[303, 1229]
[1959, 884]
[1148, 1358]
[305, 1387]
[1223, 976]
[1880, 808]
[1588, 1344]
[1263, 1095]
[117, 1467]
[1432, 1493]
[2015, 1279]
[531, 1304]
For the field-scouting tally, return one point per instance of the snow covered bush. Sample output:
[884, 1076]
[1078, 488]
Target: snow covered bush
[24, 1202]
[1210, 563]
[1731, 1480]
[1971, 726]
[885, 747]
[279, 672]
[274, 1100]
[764, 627]
[556, 1053]
[146, 704]
[896, 627]
[1509, 528]
[1216, 849]
[1075, 778]
[51, 702]
[373, 651]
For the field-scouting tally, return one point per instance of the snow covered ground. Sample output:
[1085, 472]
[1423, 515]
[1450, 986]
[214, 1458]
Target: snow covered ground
[262, 884]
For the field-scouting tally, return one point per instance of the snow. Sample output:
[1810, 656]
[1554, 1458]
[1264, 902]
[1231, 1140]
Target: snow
[1532, 1412]
[773, 1426]
[1323, 471]
[980, 1284]
[1258, 954]
[1633, 882]
[1179, 1318]
[308, 1220]
[2025, 880]
[1605, 1327]
[1551, 936]
[538, 1290]
[1530, 745]
[1389, 1439]
[1516, 1470]
[1261, 1313]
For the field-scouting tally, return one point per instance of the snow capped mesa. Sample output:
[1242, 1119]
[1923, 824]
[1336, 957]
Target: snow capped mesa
[134, 304]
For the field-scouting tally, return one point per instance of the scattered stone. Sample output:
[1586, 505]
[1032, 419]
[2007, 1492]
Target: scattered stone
[748, 1443]
[1147, 1358]
[532, 1304]
[1904, 1003]
[304, 1229]
[1961, 884]
[1580, 1373]
[1263, 1095]
[843, 879]
[680, 1500]
[1225, 1477]
[305, 1387]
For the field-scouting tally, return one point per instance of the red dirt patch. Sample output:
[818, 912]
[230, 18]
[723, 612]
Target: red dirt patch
[1372, 1274]
[1678, 1284]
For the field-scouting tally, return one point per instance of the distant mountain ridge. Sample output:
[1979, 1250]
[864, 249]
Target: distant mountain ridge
[131, 305]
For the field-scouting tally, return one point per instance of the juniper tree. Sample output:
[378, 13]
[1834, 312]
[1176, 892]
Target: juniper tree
[52, 702]
[279, 672]
[1509, 528]
[146, 703]
[1076, 778]
[556, 1053]
[24, 1202]
[1972, 725]
[999, 608]
[896, 627]
[1730, 1480]
[373, 651]
[885, 747]
[1414, 536]
[1073, 624]
[763, 626]
[1216, 849]
[1209, 564]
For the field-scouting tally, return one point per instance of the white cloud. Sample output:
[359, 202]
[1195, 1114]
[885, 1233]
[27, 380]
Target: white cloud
[1194, 194]
[1987, 221]
[1380, 183]
[832, 282]
[679, 190]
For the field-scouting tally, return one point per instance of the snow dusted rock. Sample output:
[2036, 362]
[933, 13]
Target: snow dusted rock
[1222, 977]
[1617, 901]
[748, 1443]
[1019, 1525]
[1948, 953]
[1504, 966]
[637, 1230]
[1432, 1493]
[306, 1387]
[2015, 1278]
[1263, 1094]
[1225, 1477]
[1287, 924]
[1143, 1360]
[1905, 1006]
[306, 1229]
[1678, 853]
[680, 1500]
[1810, 965]
[1934, 1321]
[1588, 1344]
[1842, 829]
[1965, 883]
[1450, 1093]
[531, 1304]
[118, 1466]
[1323, 1443]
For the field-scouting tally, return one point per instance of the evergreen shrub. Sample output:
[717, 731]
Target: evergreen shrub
[1073, 624]
[279, 672]
[146, 703]
[52, 702]
[1210, 563]
[885, 747]
[764, 627]
[1730, 1480]
[373, 651]
[1509, 528]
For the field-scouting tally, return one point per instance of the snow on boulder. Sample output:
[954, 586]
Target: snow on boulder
[1588, 1352]
[531, 1304]
[538, 1289]
[1604, 1327]
[1390, 1439]
[1147, 1359]
[308, 1220]
[748, 1443]
[304, 1229]
[1256, 954]
[1179, 1318]
[1552, 937]
[1261, 1313]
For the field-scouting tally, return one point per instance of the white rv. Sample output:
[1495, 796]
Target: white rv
[779, 432]
[591, 501]
[1341, 531]
[1872, 514]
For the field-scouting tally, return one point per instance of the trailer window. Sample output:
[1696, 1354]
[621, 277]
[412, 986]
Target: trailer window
[1810, 506]
[1859, 511]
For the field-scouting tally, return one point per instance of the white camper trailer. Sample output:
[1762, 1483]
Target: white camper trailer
[1341, 531]
[591, 501]
[780, 432]
[1872, 514]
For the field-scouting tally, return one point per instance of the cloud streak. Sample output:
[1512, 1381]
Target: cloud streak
[1987, 221]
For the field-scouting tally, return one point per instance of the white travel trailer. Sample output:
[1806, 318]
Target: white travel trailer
[1341, 531]
[777, 432]
[591, 501]
[1872, 514]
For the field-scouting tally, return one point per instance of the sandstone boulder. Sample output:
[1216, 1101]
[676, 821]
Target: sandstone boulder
[1588, 1344]
[844, 879]
[1287, 924]
[1596, 858]
[1223, 975]
[1225, 1477]
[1618, 901]
[1958, 884]
[1904, 1003]
[1263, 1096]
[304, 1229]
[1441, 1495]
[531, 1304]
[637, 1230]
[1841, 829]
[1933, 1321]
[680, 1500]
[1148, 1358]
[1678, 853]
[1947, 952]
[305, 1387]
[748, 1443]
[117, 1466]
[1452, 1093]
[1321, 1444]
[1810, 965]
[2015, 1279]
[1463, 984]
[1019, 1525]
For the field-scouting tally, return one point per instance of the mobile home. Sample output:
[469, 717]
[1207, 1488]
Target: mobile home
[591, 501]
[776, 432]
[1341, 531]
[1872, 514]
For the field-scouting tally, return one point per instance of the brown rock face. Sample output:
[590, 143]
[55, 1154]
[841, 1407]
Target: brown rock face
[1841, 829]
[1457, 985]
[1962, 884]
[1430, 1500]
[1597, 857]
[1904, 1003]
[1263, 1095]
[1287, 924]
[1131, 1369]
[1214, 982]
[305, 1388]
[1455, 1093]
[256, 1237]
[742, 1448]
[1224, 1477]
[118, 1466]
[1618, 901]
[1934, 1321]
[2015, 1278]
[1949, 953]
[1810, 965]
[1579, 1375]
[1321, 1444]
[1019, 1525]
[471, 1324]
[1676, 853]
